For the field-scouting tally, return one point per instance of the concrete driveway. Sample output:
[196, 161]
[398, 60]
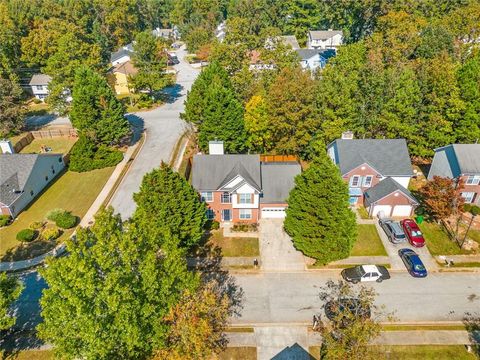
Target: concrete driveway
[276, 248]
[163, 127]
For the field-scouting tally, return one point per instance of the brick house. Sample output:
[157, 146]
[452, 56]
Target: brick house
[459, 161]
[378, 172]
[242, 188]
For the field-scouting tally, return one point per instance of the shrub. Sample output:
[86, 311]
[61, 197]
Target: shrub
[4, 220]
[66, 220]
[212, 225]
[53, 215]
[87, 156]
[26, 235]
[51, 233]
[245, 227]
[36, 225]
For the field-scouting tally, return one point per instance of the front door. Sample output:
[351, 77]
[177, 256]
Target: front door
[226, 215]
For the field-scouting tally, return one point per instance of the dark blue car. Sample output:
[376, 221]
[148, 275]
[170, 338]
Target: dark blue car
[412, 262]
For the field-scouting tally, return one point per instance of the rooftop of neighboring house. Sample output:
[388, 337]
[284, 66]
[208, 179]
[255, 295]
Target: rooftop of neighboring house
[385, 188]
[456, 159]
[16, 170]
[162, 32]
[306, 54]
[126, 68]
[40, 79]
[125, 51]
[389, 157]
[324, 34]
[290, 40]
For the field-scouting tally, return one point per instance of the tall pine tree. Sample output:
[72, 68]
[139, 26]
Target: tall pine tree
[319, 219]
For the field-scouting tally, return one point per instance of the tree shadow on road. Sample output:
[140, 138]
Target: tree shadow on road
[138, 126]
[171, 93]
[14, 342]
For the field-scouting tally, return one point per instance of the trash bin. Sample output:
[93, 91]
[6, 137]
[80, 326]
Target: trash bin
[419, 219]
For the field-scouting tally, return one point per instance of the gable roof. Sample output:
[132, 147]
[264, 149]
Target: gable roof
[387, 156]
[455, 160]
[211, 172]
[306, 54]
[385, 188]
[120, 53]
[277, 181]
[40, 79]
[126, 68]
[324, 34]
[16, 170]
[290, 40]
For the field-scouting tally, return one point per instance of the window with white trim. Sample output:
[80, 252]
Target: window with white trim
[473, 180]
[226, 198]
[207, 196]
[245, 214]
[210, 214]
[355, 181]
[367, 181]
[245, 199]
[468, 197]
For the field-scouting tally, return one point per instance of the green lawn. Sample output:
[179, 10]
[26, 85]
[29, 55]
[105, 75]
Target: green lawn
[239, 353]
[417, 352]
[363, 213]
[61, 145]
[236, 246]
[32, 354]
[368, 242]
[437, 240]
[71, 191]
[474, 235]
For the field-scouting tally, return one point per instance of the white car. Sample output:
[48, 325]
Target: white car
[364, 273]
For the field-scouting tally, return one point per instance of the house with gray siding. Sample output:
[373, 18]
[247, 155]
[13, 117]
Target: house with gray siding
[23, 177]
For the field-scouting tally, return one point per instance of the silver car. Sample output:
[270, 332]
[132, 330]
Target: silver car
[393, 230]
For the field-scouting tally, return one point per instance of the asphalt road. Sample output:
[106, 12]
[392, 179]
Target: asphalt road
[163, 127]
[293, 297]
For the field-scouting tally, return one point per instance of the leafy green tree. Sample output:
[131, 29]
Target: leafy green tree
[196, 102]
[9, 43]
[292, 114]
[301, 16]
[257, 125]
[10, 290]
[11, 107]
[96, 112]
[222, 119]
[435, 40]
[86, 155]
[150, 59]
[319, 219]
[107, 298]
[169, 207]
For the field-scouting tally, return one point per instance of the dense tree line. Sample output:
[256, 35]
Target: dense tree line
[406, 71]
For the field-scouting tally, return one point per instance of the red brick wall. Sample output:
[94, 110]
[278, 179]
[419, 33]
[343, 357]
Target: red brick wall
[367, 171]
[217, 206]
[393, 200]
[471, 188]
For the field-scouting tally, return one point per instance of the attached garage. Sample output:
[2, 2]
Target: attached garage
[382, 210]
[273, 213]
[402, 210]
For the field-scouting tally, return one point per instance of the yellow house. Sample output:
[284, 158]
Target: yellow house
[118, 77]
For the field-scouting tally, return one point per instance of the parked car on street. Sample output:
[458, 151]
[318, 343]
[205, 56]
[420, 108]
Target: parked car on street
[413, 232]
[343, 309]
[412, 262]
[393, 230]
[366, 273]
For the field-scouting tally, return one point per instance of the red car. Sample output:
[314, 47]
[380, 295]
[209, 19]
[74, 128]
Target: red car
[413, 232]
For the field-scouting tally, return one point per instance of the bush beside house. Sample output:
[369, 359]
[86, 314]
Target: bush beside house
[26, 235]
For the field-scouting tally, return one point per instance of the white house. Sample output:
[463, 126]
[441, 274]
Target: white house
[325, 39]
[39, 85]
[313, 59]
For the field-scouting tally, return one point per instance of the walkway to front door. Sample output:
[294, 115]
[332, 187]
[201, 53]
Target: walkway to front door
[276, 248]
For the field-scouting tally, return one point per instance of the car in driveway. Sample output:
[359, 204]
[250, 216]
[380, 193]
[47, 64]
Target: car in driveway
[413, 263]
[365, 273]
[413, 232]
[343, 309]
[393, 230]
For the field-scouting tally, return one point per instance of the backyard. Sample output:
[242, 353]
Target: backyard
[71, 191]
[61, 145]
[368, 242]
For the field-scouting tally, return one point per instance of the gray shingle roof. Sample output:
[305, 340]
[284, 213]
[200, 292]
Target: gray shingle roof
[324, 34]
[384, 188]
[454, 160]
[210, 172]
[387, 156]
[277, 181]
[306, 54]
[290, 40]
[15, 172]
[468, 157]
[40, 79]
[119, 54]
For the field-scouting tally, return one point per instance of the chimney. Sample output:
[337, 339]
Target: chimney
[347, 135]
[6, 147]
[215, 147]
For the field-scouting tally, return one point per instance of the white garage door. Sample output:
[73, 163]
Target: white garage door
[384, 210]
[273, 213]
[402, 210]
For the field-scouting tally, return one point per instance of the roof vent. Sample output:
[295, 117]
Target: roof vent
[347, 135]
[6, 147]
[215, 147]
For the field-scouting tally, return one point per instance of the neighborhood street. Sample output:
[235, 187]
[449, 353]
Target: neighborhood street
[163, 127]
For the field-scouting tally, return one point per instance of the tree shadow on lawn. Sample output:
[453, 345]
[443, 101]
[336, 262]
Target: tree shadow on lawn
[13, 342]
[209, 264]
[472, 324]
[25, 251]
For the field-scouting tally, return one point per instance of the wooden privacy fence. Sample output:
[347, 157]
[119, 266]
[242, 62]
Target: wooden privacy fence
[64, 131]
[278, 158]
